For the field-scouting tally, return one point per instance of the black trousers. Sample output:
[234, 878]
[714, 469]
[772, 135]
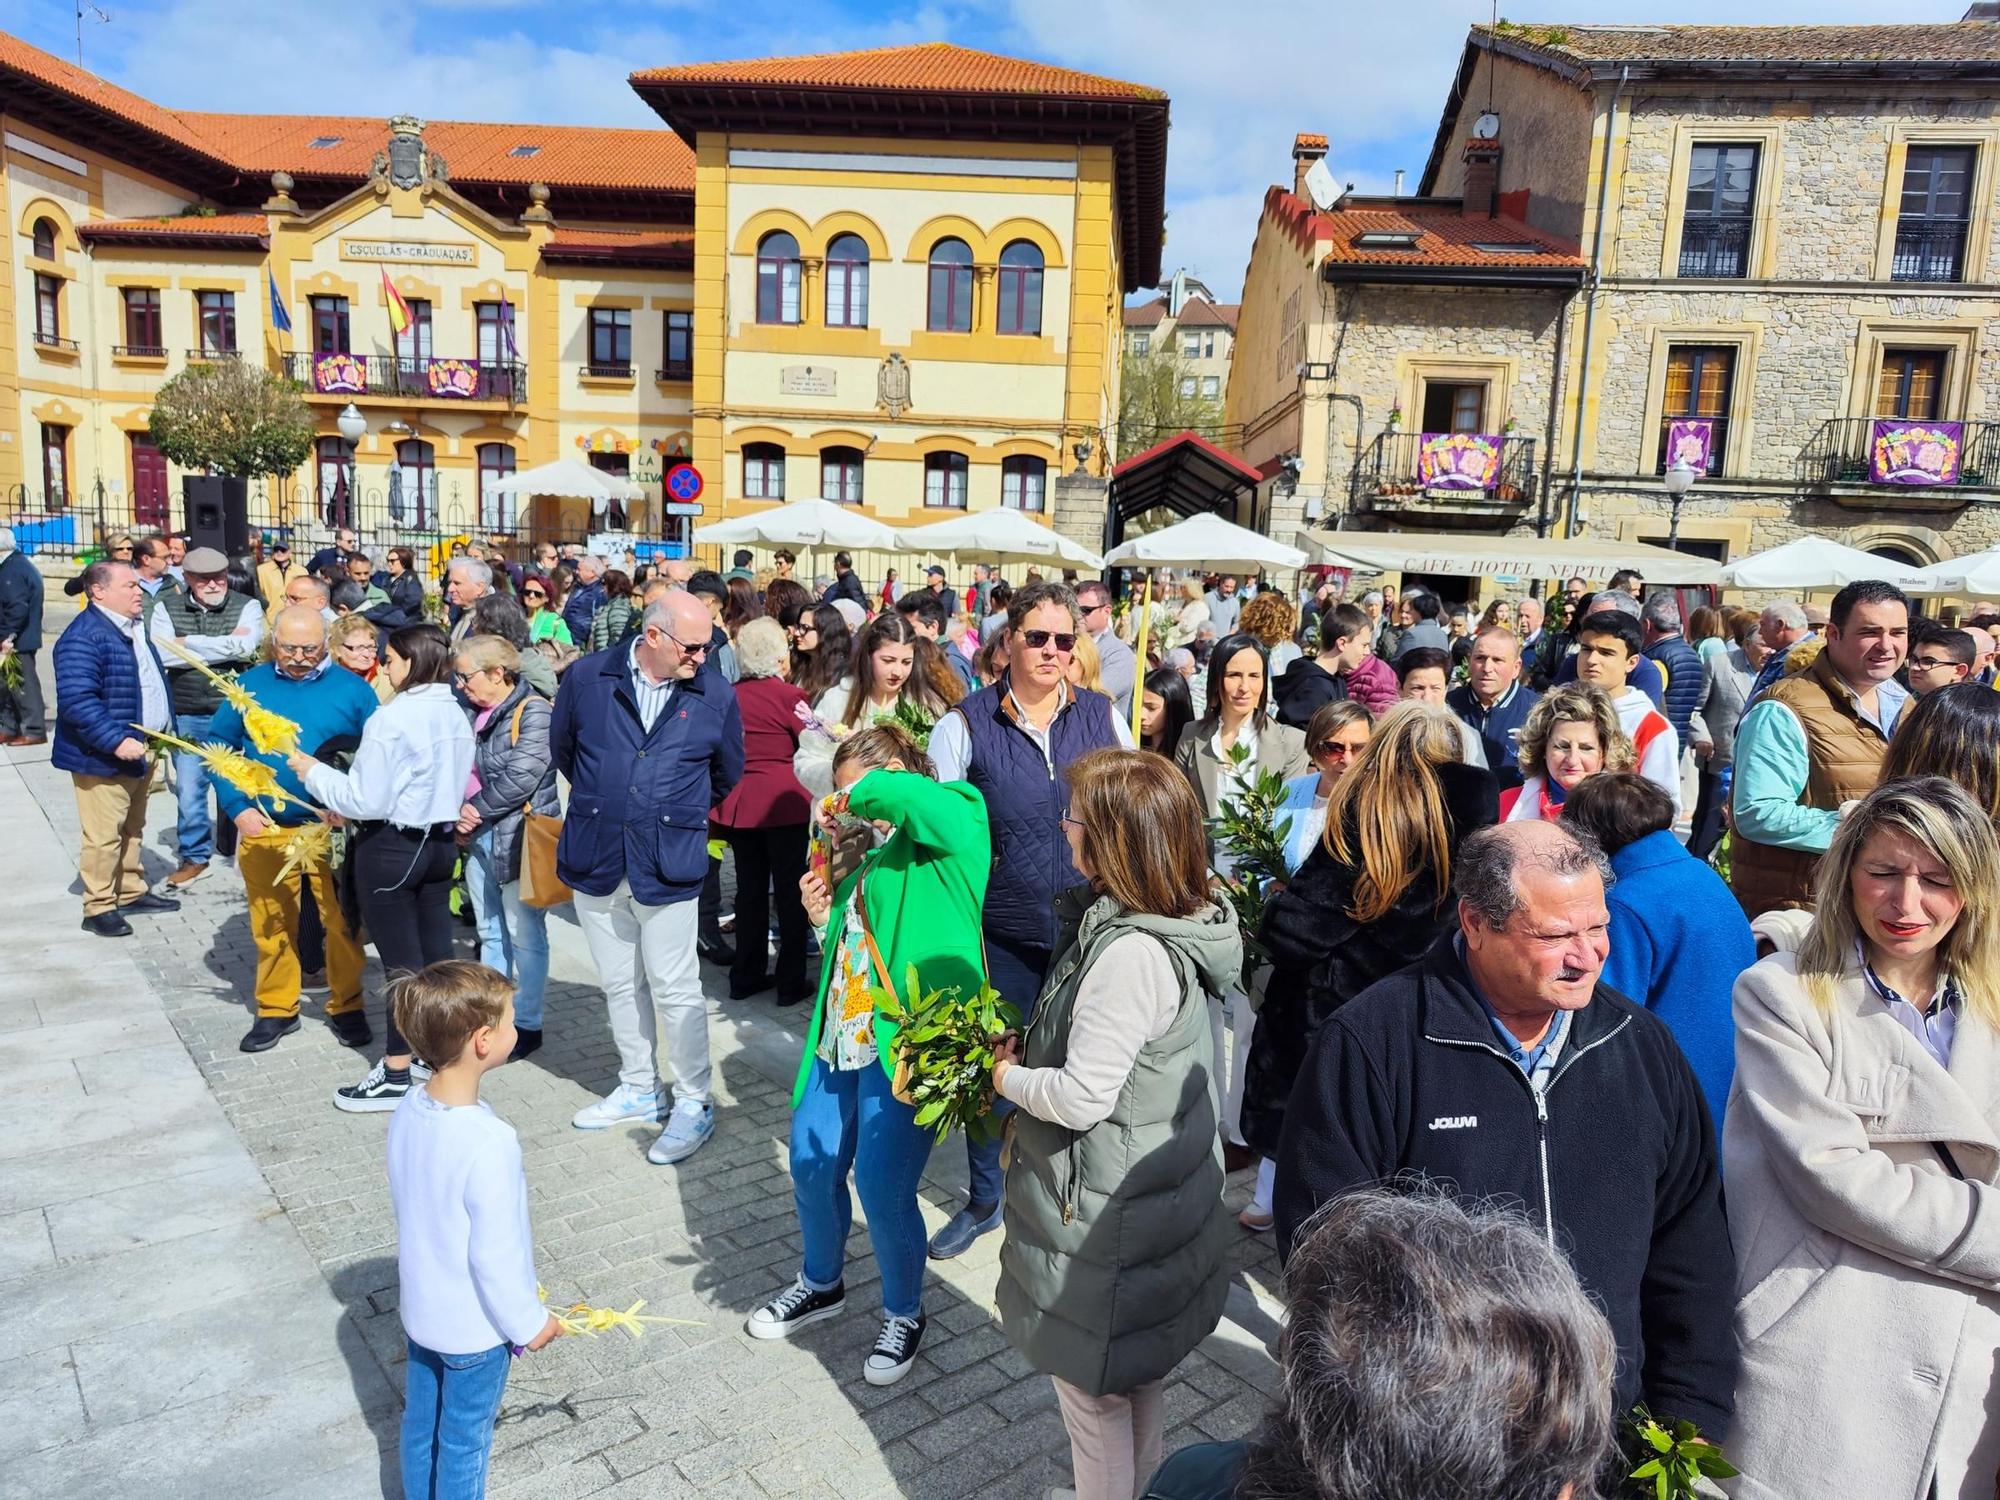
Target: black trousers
[404, 883]
[1705, 832]
[708, 913]
[770, 862]
[23, 712]
[312, 930]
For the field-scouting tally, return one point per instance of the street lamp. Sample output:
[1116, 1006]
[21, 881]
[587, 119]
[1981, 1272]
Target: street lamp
[1679, 479]
[353, 428]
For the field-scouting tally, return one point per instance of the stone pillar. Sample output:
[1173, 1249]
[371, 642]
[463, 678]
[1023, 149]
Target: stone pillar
[1078, 512]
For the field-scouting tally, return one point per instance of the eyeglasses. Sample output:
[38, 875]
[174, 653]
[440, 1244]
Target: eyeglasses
[1331, 748]
[1929, 664]
[312, 650]
[1036, 639]
[534, 594]
[686, 649]
[1073, 822]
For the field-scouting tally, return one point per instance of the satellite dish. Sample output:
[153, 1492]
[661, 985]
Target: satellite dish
[1320, 184]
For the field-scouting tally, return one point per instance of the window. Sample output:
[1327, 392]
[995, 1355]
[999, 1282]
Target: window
[45, 239]
[1699, 379]
[946, 477]
[1198, 345]
[778, 278]
[847, 282]
[526, 151]
[1142, 345]
[1023, 483]
[763, 471]
[1211, 387]
[1021, 288]
[1715, 224]
[610, 341]
[48, 309]
[55, 468]
[1911, 384]
[496, 462]
[323, 142]
[142, 320]
[215, 316]
[1188, 385]
[333, 469]
[1454, 406]
[413, 344]
[950, 287]
[840, 475]
[1933, 214]
[329, 315]
[678, 342]
[413, 483]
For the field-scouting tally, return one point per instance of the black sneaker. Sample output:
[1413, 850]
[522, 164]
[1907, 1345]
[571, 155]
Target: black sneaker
[377, 1092]
[351, 1029]
[527, 1042]
[894, 1352]
[265, 1031]
[798, 1306]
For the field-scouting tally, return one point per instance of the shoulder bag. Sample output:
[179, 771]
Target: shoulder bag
[541, 887]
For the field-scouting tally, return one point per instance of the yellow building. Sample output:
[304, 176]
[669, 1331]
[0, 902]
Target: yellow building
[918, 312]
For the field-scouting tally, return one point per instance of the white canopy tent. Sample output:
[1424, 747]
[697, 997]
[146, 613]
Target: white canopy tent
[1977, 576]
[569, 480]
[1816, 562]
[1505, 557]
[1205, 541]
[999, 536]
[804, 523]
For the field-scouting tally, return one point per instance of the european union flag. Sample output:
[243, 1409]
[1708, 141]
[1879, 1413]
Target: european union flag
[280, 319]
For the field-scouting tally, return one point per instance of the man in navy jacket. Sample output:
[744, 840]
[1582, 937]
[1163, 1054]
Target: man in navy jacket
[110, 683]
[23, 720]
[1493, 702]
[1500, 1066]
[649, 737]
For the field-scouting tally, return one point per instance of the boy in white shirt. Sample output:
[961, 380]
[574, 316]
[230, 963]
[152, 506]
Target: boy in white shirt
[1607, 647]
[463, 1251]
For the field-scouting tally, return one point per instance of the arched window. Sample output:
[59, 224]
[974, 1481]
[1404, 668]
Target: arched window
[1023, 483]
[840, 475]
[951, 287]
[334, 466]
[945, 479]
[1021, 288]
[778, 278]
[847, 282]
[496, 462]
[45, 239]
[413, 483]
[763, 471]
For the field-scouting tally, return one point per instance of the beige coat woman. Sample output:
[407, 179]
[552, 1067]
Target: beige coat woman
[1280, 748]
[1868, 1277]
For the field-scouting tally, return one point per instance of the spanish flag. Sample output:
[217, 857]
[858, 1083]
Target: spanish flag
[399, 310]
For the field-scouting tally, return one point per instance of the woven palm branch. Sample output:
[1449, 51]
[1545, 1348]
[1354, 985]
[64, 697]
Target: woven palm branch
[272, 734]
[11, 675]
[310, 846]
[252, 778]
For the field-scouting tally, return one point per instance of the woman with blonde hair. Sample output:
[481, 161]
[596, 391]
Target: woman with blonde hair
[1572, 733]
[1190, 615]
[1499, 616]
[1862, 1148]
[354, 643]
[1274, 620]
[1373, 894]
[1085, 670]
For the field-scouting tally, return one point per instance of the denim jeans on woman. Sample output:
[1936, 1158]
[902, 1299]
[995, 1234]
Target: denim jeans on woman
[513, 939]
[450, 1403]
[851, 1119]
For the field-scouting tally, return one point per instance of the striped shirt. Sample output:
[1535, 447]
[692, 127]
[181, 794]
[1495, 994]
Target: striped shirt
[651, 696]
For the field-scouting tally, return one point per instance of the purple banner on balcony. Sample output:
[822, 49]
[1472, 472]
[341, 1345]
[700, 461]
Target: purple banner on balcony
[457, 378]
[339, 374]
[1458, 460]
[1901, 452]
[1691, 439]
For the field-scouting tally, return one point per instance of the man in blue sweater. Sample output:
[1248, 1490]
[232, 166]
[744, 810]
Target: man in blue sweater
[329, 705]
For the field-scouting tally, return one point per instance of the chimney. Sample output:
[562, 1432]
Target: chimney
[1306, 149]
[1481, 196]
[1399, 182]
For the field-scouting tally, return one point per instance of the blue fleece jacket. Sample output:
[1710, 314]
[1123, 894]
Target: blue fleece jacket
[329, 709]
[1678, 941]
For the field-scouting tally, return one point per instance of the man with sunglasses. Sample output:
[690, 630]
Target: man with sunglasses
[649, 742]
[1013, 741]
[1117, 668]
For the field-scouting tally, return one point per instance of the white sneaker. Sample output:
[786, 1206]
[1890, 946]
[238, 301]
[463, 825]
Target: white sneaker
[621, 1104]
[688, 1129]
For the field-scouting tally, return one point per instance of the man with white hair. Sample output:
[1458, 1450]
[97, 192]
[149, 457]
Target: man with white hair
[23, 718]
[586, 598]
[1782, 626]
[649, 743]
[466, 582]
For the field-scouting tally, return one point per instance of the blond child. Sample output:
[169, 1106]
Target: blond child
[463, 1251]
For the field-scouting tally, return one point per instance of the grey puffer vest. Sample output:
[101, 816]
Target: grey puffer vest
[1115, 1262]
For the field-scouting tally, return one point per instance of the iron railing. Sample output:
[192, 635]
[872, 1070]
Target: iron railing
[139, 351]
[1715, 246]
[1390, 470]
[419, 377]
[1838, 454]
[54, 341]
[212, 356]
[679, 369]
[1929, 250]
[608, 371]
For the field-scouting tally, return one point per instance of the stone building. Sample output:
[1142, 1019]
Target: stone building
[1786, 238]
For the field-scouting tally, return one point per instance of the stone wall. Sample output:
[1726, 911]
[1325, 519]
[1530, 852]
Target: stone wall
[1079, 508]
[1546, 132]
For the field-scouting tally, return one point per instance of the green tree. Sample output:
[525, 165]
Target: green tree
[1154, 404]
[232, 417]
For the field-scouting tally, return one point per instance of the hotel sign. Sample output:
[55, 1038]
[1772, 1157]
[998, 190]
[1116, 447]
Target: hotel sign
[416, 252]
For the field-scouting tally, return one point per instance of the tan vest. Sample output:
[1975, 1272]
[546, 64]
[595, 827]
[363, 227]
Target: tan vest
[1844, 754]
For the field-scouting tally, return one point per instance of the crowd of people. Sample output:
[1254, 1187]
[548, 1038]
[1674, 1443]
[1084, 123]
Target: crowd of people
[1587, 903]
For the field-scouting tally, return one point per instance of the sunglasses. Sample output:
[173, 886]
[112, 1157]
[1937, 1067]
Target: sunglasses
[534, 594]
[686, 649]
[1065, 641]
[1334, 747]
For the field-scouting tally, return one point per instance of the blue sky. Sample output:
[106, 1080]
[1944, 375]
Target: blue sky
[1244, 77]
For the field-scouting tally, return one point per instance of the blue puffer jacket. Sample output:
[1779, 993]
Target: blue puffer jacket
[1682, 668]
[639, 802]
[97, 697]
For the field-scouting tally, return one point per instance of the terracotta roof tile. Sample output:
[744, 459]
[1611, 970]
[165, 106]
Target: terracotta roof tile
[672, 249]
[1306, 140]
[1445, 238]
[52, 72]
[1199, 312]
[1146, 314]
[930, 67]
[247, 227]
[1958, 41]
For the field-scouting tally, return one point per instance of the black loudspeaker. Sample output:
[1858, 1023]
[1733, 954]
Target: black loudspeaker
[215, 512]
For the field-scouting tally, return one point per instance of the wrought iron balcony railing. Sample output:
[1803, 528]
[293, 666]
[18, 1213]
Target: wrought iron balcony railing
[1929, 250]
[340, 376]
[1396, 466]
[1839, 455]
[1715, 247]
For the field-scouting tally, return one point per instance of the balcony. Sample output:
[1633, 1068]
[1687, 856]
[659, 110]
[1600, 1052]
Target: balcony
[1929, 250]
[1396, 480]
[138, 351]
[343, 377]
[210, 356]
[1714, 247]
[1836, 466]
[679, 369]
[599, 370]
[54, 342]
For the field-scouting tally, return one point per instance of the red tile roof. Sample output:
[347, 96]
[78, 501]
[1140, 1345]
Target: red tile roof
[1146, 314]
[1446, 238]
[1945, 42]
[672, 250]
[1199, 312]
[73, 83]
[929, 67]
[247, 231]
[1307, 140]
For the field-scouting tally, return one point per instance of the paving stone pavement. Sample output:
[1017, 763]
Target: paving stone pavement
[702, 1410]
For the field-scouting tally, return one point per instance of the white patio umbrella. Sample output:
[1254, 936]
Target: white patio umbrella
[1205, 541]
[1976, 576]
[804, 523]
[999, 536]
[1815, 562]
[569, 480]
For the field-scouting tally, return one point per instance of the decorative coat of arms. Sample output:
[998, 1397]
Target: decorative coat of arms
[406, 164]
[892, 386]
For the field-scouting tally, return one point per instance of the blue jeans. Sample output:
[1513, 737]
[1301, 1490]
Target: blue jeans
[196, 831]
[450, 1403]
[851, 1119]
[513, 939]
[1017, 974]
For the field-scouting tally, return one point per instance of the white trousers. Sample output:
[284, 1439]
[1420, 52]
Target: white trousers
[1230, 1065]
[646, 963]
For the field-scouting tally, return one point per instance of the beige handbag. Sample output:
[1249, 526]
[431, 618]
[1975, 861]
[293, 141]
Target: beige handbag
[541, 887]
